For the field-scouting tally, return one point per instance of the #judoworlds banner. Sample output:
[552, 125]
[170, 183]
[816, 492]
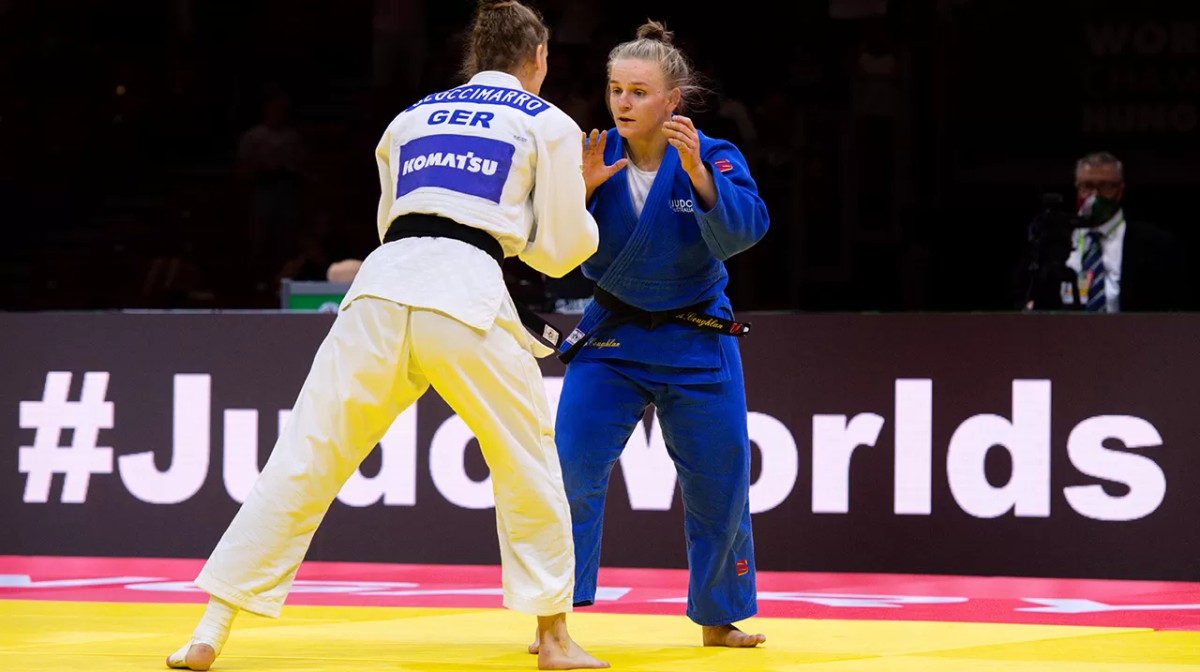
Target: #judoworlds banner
[1042, 445]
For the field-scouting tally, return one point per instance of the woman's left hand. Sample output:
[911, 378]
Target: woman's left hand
[682, 135]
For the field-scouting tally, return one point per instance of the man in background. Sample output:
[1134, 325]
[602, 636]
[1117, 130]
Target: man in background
[1115, 265]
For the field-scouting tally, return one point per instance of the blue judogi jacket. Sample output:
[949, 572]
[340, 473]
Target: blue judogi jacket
[671, 256]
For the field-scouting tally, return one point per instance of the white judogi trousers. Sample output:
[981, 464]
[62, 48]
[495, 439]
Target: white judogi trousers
[379, 358]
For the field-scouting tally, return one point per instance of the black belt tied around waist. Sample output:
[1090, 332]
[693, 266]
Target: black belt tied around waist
[620, 312]
[421, 225]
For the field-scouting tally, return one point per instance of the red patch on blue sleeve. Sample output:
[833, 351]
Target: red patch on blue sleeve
[723, 165]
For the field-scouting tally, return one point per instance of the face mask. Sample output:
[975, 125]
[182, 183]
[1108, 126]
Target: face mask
[1097, 210]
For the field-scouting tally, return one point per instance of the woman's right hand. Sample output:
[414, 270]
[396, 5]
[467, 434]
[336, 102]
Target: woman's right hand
[595, 171]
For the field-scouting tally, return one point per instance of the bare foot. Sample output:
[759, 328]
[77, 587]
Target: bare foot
[533, 648]
[728, 635]
[557, 651]
[192, 656]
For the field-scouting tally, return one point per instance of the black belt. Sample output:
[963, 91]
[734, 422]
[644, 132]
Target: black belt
[620, 312]
[421, 225]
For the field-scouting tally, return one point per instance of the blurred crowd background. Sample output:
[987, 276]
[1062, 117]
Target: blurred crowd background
[193, 153]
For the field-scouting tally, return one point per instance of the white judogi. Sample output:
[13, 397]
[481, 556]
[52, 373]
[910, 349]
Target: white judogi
[435, 311]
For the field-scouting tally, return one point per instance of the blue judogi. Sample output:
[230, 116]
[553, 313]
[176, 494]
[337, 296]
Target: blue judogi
[669, 257]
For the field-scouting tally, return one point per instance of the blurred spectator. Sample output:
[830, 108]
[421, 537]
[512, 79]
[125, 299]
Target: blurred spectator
[269, 162]
[174, 279]
[343, 271]
[310, 262]
[320, 242]
[1117, 265]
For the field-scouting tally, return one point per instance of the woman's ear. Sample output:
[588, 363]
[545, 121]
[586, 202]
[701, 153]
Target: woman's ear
[675, 96]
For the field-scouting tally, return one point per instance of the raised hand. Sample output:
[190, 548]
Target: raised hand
[682, 135]
[595, 171]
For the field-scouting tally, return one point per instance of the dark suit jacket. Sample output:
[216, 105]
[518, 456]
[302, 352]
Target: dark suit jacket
[1154, 271]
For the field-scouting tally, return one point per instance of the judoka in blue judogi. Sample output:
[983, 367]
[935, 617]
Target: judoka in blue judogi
[661, 331]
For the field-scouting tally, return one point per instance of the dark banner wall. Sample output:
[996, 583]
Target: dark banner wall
[1041, 445]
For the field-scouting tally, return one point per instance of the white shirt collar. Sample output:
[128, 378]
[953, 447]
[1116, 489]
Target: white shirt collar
[1106, 229]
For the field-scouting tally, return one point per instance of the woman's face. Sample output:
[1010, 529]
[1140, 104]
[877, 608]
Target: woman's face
[638, 98]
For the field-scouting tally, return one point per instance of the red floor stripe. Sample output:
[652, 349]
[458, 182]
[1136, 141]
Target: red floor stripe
[1152, 604]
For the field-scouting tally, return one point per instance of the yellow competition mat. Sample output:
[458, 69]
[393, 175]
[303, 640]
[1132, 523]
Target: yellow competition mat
[43, 636]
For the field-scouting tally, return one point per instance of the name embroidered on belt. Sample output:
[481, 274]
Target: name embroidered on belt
[620, 312]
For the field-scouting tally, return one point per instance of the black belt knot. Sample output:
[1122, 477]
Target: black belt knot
[422, 225]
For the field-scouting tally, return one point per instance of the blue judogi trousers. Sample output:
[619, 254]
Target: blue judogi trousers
[704, 429]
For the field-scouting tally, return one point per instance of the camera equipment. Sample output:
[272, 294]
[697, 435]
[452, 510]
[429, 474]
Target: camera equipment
[1049, 283]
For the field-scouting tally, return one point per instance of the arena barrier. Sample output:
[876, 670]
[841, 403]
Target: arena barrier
[1028, 445]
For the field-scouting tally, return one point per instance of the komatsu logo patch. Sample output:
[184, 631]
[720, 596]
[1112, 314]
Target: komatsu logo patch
[466, 164]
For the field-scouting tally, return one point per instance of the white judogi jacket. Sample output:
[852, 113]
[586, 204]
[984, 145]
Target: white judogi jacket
[474, 154]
